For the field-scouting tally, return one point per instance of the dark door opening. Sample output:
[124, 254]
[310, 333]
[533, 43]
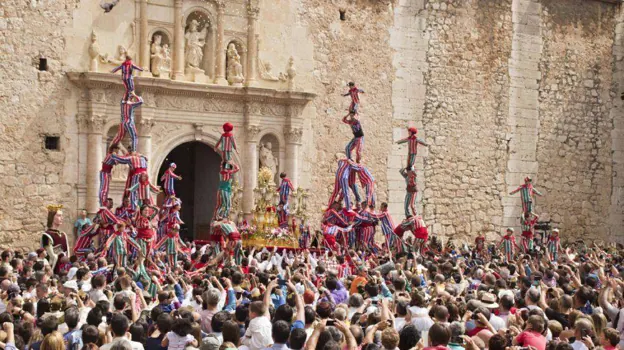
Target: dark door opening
[198, 164]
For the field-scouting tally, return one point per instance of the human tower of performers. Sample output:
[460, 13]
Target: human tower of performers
[138, 228]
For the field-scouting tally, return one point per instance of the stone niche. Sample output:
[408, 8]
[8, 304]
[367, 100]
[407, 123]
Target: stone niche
[207, 42]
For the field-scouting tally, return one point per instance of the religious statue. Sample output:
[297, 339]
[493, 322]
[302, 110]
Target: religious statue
[194, 45]
[157, 55]
[267, 158]
[166, 63]
[291, 72]
[118, 59]
[54, 241]
[94, 53]
[234, 67]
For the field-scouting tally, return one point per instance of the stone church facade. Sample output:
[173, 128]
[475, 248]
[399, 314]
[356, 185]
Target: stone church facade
[499, 89]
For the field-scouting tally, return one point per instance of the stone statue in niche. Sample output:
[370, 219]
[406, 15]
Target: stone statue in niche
[267, 158]
[94, 53]
[157, 55]
[195, 42]
[166, 63]
[234, 67]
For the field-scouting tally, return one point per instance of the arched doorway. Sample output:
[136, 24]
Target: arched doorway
[198, 164]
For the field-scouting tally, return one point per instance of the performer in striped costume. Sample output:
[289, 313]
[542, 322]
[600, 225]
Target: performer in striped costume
[119, 240]
[387, 224]
[366, 229]
[408, 224]
[354, 93]
[357, 142]
[341, 184]
[145, 229]
[106, 222]
[173, 244]
[110, 160]
[527, 192]
[144, 189]
[367, 181]
[509, 245]
[412, 146]
[330, 233]
[127, 124]
[84, 242]
[127, 68]
[331, 216]
[226, 143]
[527, 222]
[421, 234]
[224, 194]
[285, 188]
[137, 164]
[234, 244]
[554, 245]
[411, 190]
[168, 179]
[125, 212]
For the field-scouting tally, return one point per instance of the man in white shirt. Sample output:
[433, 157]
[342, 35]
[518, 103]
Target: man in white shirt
[258, 335]
[582, 329]
[119, 327]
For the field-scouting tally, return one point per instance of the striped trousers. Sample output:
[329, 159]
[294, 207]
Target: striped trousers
[104, 187]
[408, 204]
[357, 144]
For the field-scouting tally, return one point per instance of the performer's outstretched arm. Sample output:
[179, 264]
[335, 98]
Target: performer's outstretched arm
[402, 140]
[516, 190]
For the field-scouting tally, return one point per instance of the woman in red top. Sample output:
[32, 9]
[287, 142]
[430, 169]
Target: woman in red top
[145, 228]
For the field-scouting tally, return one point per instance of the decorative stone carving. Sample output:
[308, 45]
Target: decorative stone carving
[199, 130]
[120, 171]
[252, 11]
[94, 53]
[291, 73]
[95, 124]
[157, 56]
[267, 109]
[234, 67]
[165, 67]
[293, 135]
[252, 132]
[266, 71]
[146, 125]
[118, 58]
[194, 48]
[268, 159]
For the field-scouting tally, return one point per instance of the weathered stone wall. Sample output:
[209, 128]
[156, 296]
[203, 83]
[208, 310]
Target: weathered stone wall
[465, 111]
[32, 104]
[574, 147]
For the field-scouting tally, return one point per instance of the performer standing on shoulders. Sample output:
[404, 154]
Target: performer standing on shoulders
[145, 229]
[127, 124]
[144, 189]
[226, 143]
[527, 192]
[224, 196]
[354, 93]
[412, 146]
[528, 222]
[411, 190]
[357, 142]
[120, 240]
[285, 188]
[110, 160]
[127, 68]
[174, 245]
[387, 224]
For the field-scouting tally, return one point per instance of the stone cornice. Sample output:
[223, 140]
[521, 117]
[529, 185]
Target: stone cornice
[94, 80]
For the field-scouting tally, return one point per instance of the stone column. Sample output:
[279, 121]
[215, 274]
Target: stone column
[251, 171]
[220, 50]
[94, 162]
[178, 41]
[144, 51]
[293, 141]
[145, 138]
[252, 44]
